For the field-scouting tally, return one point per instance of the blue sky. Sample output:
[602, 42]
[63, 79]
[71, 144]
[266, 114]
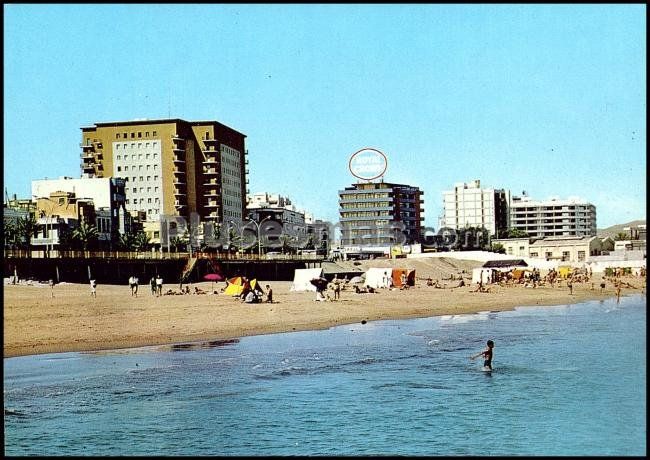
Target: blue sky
[547, 98]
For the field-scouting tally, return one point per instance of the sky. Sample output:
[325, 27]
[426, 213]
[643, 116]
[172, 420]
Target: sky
[548, 98]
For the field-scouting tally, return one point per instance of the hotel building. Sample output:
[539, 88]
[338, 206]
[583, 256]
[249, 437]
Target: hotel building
[172, 167]
[469, 205]
[370, 212]
[553, 217]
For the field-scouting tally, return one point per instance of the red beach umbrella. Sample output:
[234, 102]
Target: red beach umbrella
[213, 277]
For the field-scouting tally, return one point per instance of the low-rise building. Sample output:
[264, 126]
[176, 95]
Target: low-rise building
[570, 249]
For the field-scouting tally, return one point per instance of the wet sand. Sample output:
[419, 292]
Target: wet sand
[36, 323]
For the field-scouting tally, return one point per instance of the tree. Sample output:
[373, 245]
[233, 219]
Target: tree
[498, 247]
[27, 228]
[11, 235]
[621, 236]
[472, 238]
[126, 241]
[86, 234]
[141, 241]
[516, 233]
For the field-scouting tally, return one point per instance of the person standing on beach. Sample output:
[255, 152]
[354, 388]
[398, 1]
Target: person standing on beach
[487, 355]
[152, 283]
[269, 294]
[570, 286]
[93, 288]
[133, 284]
[159, 285]
[52, 287]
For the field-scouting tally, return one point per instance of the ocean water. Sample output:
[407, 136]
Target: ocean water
[567, 380]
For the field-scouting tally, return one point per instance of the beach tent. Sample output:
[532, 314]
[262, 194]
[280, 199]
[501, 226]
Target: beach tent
[378, 277]
[564, 272]
[302, 278]
[479, 272]
[235, 286]
[397, 276]
[255, 286]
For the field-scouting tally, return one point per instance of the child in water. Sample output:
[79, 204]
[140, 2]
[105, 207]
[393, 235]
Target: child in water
[487, 355]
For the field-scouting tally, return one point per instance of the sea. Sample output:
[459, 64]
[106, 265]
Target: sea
[567, 380]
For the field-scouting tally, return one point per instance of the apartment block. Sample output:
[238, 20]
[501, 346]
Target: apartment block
[172, 167]
[470, 205]
[369, 210]
[553, 217]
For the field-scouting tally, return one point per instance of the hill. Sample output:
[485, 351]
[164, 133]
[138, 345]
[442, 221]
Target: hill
[614, 229]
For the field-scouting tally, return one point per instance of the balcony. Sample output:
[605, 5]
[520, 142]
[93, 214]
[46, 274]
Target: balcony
[179, 182]
[178, 171]
[178, 160]
[178, 205]
[212, 215]
[178, 149]
[87, 155]
[176, 137]
[86, 146]
[246, 161]
[211, 172]
[212, 183]
[207, 141]
[178, 192]
[210, 160]
[212, 205]
[88, 168]
[210, 149]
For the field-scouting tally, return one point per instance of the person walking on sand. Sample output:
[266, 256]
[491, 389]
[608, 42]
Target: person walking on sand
[93, 288]
[52, 287]
[269, 294]
[133, 284]
[487, 355]
[152, 283]
[570, 286]
[337, 290]
[159, 285]
[602, 284]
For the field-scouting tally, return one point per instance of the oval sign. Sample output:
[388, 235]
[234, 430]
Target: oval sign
[368, 164]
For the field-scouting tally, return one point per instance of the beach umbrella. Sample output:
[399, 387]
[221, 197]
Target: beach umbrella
[320, 283]
[213, 277]
[356, 279]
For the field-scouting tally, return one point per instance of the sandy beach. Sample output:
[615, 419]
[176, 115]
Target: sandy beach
[72, 320]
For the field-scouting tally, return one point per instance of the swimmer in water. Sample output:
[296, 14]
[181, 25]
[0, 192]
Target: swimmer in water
[487, 355]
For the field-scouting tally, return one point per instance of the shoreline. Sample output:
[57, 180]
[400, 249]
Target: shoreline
[72, 321]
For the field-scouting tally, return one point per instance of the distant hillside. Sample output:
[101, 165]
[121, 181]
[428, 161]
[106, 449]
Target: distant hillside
[614, 229]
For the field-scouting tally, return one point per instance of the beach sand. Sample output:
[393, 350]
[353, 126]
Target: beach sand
[36, 323]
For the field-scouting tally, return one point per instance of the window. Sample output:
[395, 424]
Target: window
[127, 201]
[565, 255]
[549, 255]
[119, 168]
[126, 168]
[534, 254]
[155, 166]
[140, 168]
[148, 178]
[141, 189]
[117, 136]
[135, 189]
[148, 189]
[141, 178]
[155, 190]
[125, 136]
[133, 178]
[148, 200]
[117, 146]
[139, 156]
[581, 256]
[146, 135]
[148, 167]
[119, 157]
[139, 134]
[132, 135]
[155, 133]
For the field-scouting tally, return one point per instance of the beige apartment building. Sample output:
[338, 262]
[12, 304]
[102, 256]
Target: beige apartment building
[172, 167]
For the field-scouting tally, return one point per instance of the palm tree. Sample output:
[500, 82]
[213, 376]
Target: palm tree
[86, 234]
[125, 241]
[621, 236]
[141, 241]
[11, 238]
[27, 228]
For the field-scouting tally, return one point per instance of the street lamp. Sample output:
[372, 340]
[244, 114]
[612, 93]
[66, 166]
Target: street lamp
[259, 238]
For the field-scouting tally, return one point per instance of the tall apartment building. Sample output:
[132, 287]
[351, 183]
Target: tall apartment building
[367, 211]
[469, 205]
[172, 167]
[553, 217]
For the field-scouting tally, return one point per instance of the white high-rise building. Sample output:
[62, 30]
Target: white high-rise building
[469, 205]
[553, 217]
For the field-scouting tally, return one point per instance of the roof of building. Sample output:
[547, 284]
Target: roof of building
[505, 263]
[563, 241]
[147, 121]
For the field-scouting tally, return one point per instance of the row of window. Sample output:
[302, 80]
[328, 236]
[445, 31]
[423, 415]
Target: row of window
[142, 179]
[134, 157]
[139, 168]
[139, 133]
[365, 214]
[137, 145]
[141, 201]
[135, 190]
[363, 196]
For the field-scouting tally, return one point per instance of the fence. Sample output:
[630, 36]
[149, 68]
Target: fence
[154, 255]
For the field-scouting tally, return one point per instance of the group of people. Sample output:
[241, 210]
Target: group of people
[250, 295]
